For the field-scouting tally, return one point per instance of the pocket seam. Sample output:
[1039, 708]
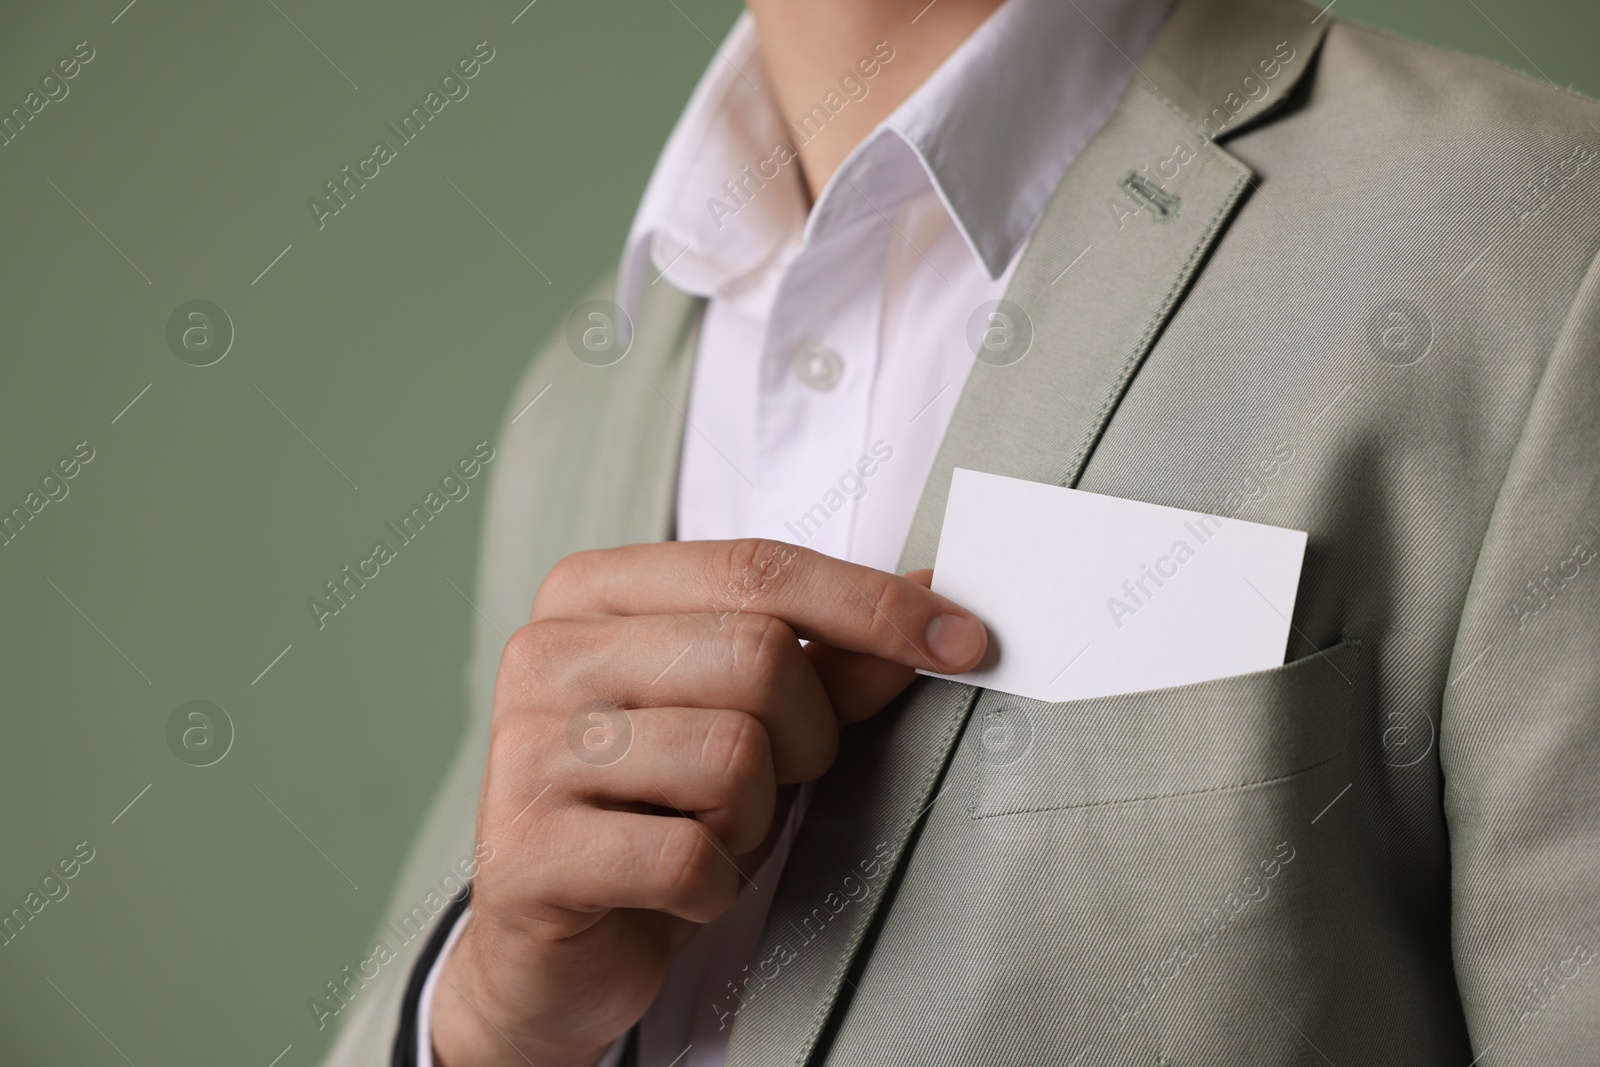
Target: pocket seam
[1352, 644]
[1233, 788]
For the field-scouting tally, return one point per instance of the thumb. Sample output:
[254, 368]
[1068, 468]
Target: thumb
[858, 684]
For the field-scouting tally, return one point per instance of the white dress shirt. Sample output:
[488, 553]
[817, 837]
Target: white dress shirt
[835, 343]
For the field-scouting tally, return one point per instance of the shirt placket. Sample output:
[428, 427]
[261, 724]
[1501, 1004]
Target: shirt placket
[818, 366]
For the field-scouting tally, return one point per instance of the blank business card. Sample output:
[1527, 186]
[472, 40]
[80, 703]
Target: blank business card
[1088, 595]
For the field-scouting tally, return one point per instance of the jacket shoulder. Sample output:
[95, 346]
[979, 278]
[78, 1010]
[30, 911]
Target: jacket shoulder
[1403, 145]
[1452, 91]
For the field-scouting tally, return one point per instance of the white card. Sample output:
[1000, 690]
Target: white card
[1087, 595]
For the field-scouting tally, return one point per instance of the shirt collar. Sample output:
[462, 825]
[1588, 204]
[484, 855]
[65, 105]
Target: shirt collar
[992, 131]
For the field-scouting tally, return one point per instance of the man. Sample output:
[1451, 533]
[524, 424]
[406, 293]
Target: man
[1230, 256]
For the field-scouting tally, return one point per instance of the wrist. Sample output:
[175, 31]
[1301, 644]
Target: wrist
[471, 1029]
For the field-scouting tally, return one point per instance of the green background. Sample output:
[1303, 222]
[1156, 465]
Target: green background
[368, 358]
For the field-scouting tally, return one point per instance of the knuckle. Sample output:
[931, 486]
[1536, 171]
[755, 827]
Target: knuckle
[749, 568]
[536, 652]
[684, 858]
[759, 650]
[563, 580]
[735, 748]
[880, 599]
[527, 644]
[514, 739]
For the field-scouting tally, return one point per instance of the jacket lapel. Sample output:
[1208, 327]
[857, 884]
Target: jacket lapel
[621, 467]
[1125, 232]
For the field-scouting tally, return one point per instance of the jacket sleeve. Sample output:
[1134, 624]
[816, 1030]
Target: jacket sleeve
[508, 577]
[1520, 731]
[408, 1039]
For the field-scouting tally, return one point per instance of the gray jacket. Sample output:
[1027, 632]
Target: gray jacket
[1330, 280]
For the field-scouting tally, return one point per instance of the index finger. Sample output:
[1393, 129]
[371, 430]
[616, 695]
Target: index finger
[845, 605]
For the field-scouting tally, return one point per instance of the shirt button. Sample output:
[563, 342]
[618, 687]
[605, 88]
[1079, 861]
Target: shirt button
[818, 366]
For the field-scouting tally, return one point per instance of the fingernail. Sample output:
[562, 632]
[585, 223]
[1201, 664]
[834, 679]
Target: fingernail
[955, 640]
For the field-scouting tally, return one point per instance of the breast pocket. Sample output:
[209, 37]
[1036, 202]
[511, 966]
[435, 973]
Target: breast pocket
[1231, 733]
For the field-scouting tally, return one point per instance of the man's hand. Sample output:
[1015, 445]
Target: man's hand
[650, 723]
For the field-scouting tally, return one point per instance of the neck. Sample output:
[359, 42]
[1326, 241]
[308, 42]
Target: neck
[819, 52]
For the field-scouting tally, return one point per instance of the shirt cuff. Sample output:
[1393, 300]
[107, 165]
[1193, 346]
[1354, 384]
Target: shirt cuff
[404, 1051]
[425, 1001]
